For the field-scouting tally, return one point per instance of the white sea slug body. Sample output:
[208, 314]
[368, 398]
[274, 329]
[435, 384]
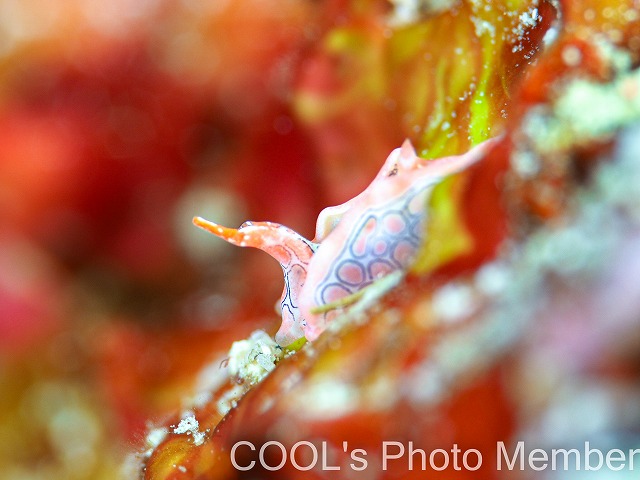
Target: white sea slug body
[377, 232]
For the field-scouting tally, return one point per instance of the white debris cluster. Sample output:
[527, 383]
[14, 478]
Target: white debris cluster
[406, 12]
[527, 20]
[189, 425]
[252, 359]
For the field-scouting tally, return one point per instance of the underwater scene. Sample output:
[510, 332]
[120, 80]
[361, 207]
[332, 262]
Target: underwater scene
[296, 239]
